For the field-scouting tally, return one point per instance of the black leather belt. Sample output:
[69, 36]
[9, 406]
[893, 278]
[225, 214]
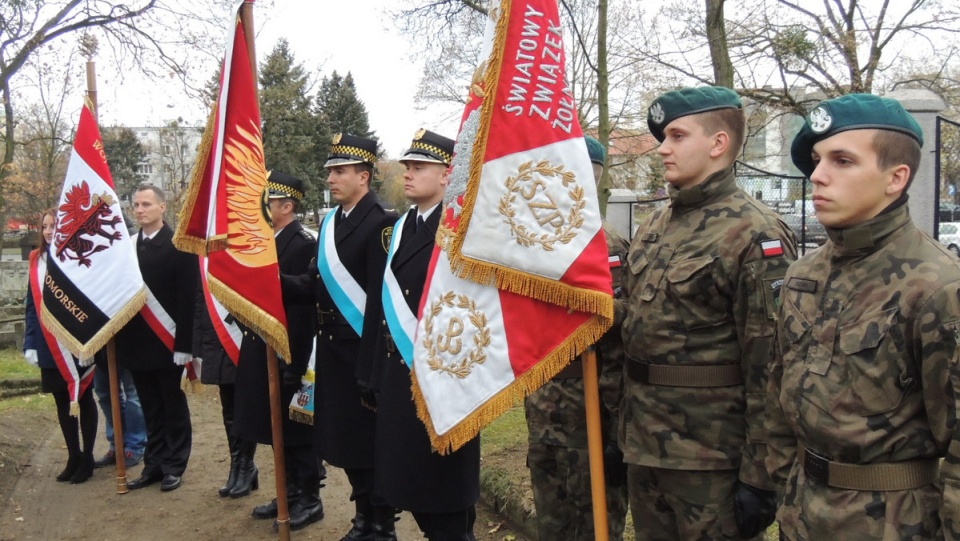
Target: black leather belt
[872, 477]
[329, 317]
[713, 375]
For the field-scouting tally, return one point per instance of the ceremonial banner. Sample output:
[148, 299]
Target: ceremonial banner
[228, 332]
[225, 214]
[530, 221]
[519, 283]
[92, 286]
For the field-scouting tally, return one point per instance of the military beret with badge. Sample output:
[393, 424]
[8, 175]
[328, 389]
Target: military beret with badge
[850, 112]
[430, 147]
[595, 149]
[688, 101]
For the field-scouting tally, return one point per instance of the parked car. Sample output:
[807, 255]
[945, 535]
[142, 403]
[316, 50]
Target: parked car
[807, 230]
[950, 236]
[949, 212]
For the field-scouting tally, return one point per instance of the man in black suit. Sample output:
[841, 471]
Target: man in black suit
[156, 344]
[344, 284]
[295, 248]
[441, 491]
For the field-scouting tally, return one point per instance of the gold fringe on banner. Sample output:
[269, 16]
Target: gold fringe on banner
[301, 417]
[512, 394]
[184, 241]
[269, 328]
[74, 408]
[85, 352]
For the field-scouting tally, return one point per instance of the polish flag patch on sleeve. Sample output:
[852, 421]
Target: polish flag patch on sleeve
[614, 261]
[771, 248]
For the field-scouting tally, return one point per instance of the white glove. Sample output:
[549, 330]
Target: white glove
[31, 356]
[181, 359]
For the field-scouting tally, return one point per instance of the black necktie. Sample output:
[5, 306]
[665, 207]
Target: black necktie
[419, 223]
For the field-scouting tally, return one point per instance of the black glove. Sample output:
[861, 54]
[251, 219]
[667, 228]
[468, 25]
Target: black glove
[754, 509]
[614, 469]
[289, 379]
[368, 397]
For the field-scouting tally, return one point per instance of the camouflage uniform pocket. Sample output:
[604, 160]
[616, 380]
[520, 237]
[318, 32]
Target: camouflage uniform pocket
[693, 289]
[874, 376]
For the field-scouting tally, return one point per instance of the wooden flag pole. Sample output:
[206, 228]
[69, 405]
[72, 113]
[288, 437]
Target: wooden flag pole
[591, 392]
[273, 372]
[111, 346]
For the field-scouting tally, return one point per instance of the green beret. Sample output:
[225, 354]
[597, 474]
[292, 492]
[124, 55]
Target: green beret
[850, 112]
[597, 153]
[688, 101]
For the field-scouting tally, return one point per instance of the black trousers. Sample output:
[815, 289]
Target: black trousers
[165, 409]
[455, 526]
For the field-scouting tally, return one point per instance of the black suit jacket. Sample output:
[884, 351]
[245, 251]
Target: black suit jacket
[172, 277]
[403, 451]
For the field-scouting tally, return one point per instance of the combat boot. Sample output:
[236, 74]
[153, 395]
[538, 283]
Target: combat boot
[309, 507]
[362, 529]
[384, 523]
[269, 509]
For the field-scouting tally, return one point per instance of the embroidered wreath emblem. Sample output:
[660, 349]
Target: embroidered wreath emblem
[555, 226]
[449, 342]
[656, 113]
[820, 120]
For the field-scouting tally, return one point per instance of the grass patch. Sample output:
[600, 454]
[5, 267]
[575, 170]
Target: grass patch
[31, 402]
[509, 431]
[14, 366]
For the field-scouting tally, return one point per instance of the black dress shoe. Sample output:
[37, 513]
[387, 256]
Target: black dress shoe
[144, 481]
[171, 482]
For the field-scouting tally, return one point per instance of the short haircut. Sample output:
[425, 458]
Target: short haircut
[297, 205]
[161, 197]
[361, 167]
[895, 148]
[729, 120]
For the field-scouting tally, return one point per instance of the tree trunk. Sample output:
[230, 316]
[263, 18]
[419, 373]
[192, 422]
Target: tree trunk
[717, 38]
[6, 168]
[603, 106]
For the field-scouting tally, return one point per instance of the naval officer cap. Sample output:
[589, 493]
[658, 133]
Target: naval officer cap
[281, 185]
[351, 149]
[850, 112]
[688, 101]
[431, 147]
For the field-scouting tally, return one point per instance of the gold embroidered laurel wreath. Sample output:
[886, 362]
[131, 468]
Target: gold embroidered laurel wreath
[525, 185]
[445, 341]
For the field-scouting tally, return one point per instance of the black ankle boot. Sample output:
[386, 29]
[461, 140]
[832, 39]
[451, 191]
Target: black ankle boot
[84, 469]
[269, 510]
[234, 474]
[72, 462]
[309, 507]
[362, 529]
[384, 523]
[248, 477]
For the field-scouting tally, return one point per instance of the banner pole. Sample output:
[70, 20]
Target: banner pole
[279, 461]
[117, 417]
[591, 392]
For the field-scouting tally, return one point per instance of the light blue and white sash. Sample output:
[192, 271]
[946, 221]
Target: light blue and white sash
[346, 293]
[401, 321]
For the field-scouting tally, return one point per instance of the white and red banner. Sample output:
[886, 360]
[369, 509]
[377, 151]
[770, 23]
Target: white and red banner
[224, 215]
[229, 334]
[93, 285]
[519, 283]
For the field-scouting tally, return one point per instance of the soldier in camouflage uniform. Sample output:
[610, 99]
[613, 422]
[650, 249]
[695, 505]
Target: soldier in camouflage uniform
[557, 423]
[865, 387]
[702, 279]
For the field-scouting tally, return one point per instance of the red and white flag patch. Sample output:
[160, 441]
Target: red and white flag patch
[615, 261]
[771, 248]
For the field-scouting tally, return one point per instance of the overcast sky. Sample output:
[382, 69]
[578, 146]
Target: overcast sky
[354, 36]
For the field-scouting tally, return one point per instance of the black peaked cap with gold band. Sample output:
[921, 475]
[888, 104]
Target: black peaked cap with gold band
[850, 112]
[350, 149]
[688, 101]
[431, 147]
[281, 185]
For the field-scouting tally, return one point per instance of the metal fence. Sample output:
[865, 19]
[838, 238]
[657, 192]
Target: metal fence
[788, 195]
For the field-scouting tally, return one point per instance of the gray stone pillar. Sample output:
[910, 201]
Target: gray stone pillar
[924, 105]
[620, 211]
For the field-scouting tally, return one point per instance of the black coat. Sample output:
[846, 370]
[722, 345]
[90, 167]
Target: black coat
[172, 277]
[343, 428]
[409, 474]
[217, 368]
[295, 248]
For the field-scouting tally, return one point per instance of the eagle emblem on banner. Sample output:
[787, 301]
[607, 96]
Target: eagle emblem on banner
[83, 219]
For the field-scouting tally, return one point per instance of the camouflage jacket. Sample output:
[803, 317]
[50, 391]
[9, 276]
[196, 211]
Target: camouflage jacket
[703, 274]
[867, 372]
[556, 413]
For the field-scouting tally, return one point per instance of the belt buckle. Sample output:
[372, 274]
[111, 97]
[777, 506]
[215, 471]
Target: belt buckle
[390, 344]
[640, 371]
[817, 467]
